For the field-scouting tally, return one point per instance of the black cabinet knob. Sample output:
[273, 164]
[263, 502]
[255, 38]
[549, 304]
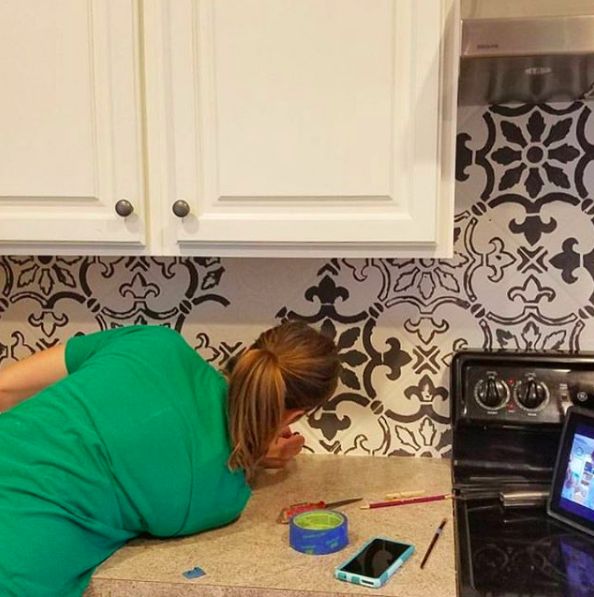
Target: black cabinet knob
[124, 208]
[180, 208]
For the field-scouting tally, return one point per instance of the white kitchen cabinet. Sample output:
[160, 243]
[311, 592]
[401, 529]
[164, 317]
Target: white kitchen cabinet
[282, 127]
[303, 127]
[70, 127]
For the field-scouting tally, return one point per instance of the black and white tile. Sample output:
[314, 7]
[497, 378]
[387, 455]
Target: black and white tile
[522, 277]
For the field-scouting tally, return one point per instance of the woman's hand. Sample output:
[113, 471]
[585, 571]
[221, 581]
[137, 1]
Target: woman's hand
[283, 449]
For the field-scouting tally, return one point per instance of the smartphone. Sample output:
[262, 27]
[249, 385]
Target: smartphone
[375, 562]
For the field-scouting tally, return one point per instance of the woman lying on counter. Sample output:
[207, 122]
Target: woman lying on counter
[129, 431]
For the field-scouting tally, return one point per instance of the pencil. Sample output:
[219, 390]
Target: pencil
[405, 494]
[433, 542]
[404, 502]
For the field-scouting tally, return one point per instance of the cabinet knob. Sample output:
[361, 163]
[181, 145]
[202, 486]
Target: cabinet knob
[180, 208]
[124, 208]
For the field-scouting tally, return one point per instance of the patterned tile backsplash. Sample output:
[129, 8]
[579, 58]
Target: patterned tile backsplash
[522, 277]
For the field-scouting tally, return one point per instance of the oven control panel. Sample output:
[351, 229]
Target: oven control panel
[526, 392]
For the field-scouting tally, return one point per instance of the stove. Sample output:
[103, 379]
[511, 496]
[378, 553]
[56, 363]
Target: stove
[507, 414]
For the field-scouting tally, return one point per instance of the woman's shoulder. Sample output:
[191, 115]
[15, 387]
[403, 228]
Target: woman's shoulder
[169, 338]
[142, 337]
[159, 342]
[162, 335]
[153, 330]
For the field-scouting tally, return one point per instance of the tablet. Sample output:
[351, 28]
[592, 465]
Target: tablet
[572, 493]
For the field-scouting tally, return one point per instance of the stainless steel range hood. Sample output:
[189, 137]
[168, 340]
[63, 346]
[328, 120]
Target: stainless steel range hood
[529, 51]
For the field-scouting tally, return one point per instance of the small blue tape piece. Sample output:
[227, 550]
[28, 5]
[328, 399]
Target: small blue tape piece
[194, 573]
[306, 538]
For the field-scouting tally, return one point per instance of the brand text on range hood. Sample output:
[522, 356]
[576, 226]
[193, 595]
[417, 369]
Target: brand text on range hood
[528, 59]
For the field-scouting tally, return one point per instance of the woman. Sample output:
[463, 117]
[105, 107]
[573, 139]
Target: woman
[128, 431]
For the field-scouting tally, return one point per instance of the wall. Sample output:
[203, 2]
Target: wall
[522, 277]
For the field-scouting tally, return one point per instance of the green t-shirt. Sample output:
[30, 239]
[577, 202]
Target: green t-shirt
[134, 440]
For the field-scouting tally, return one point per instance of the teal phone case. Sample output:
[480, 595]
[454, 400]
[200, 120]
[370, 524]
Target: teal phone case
[368, 581]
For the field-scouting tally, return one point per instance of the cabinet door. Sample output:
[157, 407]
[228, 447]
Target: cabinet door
[70, 126]
[303, 127]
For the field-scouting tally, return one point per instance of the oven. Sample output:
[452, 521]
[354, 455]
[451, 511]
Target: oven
[507, 414]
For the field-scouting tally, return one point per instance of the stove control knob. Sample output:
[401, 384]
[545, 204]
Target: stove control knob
[531, 394]
[491, 393]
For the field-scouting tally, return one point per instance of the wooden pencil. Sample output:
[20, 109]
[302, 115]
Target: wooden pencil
[406, 501]
[405, 494]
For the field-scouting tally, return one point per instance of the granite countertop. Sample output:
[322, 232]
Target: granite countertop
[252, 557]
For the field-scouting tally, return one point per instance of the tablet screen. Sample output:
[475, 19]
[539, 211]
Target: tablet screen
[572, 492]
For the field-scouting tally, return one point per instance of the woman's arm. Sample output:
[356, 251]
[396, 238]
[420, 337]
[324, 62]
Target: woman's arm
[31, 375]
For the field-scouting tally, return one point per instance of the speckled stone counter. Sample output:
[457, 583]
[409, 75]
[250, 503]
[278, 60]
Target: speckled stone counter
[252, 557]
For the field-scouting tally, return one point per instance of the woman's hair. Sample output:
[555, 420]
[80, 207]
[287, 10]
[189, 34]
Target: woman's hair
[290, 366]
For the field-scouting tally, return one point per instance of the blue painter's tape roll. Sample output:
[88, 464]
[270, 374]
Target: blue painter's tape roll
[318, 532]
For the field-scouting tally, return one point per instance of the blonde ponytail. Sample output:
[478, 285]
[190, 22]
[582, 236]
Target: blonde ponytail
[291, 366]
[256, 405]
